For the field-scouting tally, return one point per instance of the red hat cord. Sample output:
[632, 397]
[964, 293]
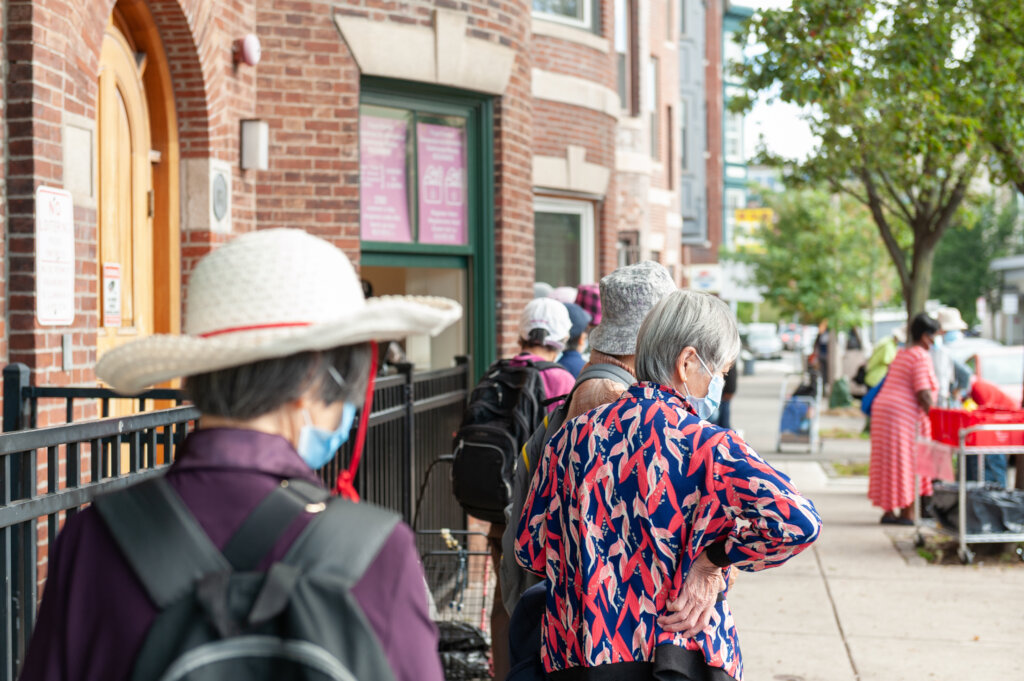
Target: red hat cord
[345, 486]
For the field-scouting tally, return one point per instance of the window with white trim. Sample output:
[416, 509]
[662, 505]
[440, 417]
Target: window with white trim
[573, 12]
[564, 241]
[651, 101]
[621, 40]
[684, 137]
[734, 137]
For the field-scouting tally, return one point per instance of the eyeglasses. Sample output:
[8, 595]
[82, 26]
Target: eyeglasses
[337, 377]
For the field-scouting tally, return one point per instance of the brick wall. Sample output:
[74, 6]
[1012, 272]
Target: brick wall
[309, 95]
[715, 109]
[557, 125]
[513, 177]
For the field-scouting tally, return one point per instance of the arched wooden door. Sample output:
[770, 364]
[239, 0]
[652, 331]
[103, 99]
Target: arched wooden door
[125, 190]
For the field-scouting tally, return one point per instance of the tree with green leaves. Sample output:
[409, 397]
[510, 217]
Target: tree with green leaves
[819, 259]
[965, 252]
[893, 89]
[996, 56]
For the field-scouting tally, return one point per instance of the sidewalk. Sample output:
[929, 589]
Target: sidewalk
[853, 607]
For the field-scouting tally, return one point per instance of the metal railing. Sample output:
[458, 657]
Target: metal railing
[48, 474]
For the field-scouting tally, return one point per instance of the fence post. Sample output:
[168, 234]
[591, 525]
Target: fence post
[16, 379]
[19, 541]
[409, 444]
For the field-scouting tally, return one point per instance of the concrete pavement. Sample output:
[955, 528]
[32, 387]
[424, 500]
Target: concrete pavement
[853, 607]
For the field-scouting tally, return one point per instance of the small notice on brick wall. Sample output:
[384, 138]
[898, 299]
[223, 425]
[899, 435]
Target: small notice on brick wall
[55, 257]
[111, 294]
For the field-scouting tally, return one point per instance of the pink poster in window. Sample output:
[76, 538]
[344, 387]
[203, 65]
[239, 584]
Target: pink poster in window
[441, 151]
[383, 196]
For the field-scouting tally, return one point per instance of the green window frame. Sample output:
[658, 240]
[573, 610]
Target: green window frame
[431, 104]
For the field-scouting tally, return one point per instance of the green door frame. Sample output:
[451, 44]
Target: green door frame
[476, 257]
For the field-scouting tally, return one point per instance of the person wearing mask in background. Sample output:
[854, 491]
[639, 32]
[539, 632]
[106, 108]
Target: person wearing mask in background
[899, 416]
[639, 507]
[945, 373]
[571, 358]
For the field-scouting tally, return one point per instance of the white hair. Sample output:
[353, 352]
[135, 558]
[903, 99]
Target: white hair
[685, 319]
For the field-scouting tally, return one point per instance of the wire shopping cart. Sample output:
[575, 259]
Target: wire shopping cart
[461, 583]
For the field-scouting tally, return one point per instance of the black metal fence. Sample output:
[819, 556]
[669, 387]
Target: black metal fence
[48, 474]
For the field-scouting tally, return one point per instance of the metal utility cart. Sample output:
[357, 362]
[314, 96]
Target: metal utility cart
[963, 452]
[461, 585]
[795, 410]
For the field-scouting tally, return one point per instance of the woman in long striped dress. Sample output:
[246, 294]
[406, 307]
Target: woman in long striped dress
[899, 415]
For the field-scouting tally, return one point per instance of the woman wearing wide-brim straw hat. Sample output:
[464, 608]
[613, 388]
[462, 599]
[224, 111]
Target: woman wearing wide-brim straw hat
[277, 357]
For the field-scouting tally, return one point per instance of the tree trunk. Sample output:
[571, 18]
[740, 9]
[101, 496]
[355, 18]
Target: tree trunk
[920, 275]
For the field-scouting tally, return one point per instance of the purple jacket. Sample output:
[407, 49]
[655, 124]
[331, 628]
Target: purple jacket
[95, 613]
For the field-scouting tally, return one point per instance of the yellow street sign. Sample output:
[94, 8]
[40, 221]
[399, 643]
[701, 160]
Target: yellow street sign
[755, 215]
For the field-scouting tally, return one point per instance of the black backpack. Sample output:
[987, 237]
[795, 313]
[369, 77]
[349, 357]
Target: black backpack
[219, 619]
[504, 409]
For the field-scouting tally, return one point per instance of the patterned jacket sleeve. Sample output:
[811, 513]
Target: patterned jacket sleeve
[767, 520]
[531, 534]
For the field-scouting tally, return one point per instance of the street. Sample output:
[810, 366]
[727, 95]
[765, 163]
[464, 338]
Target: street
[860, 605]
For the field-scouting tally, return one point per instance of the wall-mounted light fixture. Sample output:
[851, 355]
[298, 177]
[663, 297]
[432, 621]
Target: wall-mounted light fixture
[247, 50]
[255, 144]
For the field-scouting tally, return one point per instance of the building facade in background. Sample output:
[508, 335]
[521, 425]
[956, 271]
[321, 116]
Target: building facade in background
[464, 152]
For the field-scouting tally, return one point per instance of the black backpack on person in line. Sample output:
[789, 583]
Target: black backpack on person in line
[504, 409]
[221, 619]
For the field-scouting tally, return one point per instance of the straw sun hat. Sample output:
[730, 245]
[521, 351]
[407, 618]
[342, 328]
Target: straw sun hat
[268, 294]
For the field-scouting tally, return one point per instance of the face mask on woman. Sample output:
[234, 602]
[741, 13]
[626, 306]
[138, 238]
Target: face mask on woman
[707, 405]
[316, 445]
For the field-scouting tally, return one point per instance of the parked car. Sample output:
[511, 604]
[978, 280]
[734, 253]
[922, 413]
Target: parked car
[763, 342]
[1003, 366]
[791, 335]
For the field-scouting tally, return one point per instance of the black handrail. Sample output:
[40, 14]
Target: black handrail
[411, 427]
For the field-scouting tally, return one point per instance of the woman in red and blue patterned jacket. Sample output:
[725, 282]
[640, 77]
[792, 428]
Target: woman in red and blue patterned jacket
[640, 508]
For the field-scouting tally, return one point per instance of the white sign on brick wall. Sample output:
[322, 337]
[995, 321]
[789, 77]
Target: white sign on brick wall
[55, 257]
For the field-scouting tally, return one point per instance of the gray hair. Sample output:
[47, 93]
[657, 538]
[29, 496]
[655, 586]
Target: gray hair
[685, 319]
[251, 390]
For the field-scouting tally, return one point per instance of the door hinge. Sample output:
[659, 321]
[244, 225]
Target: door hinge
[151, 199]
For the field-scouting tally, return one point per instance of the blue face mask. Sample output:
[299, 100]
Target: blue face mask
[317, 446]
[706, 406]
[953, 336]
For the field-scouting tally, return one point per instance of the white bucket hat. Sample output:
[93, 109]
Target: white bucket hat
[950, 320]
[268, 294]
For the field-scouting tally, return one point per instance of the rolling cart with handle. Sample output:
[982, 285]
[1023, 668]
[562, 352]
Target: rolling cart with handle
[457, 567]
[800, 413]
[973, 443]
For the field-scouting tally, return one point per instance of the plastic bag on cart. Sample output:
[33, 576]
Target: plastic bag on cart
[463, 649]
[990, 509]
[796, 416]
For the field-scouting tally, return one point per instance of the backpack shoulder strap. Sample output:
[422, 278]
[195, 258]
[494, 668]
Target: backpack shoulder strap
[545, 365]
[168, 568]
[609, 372]
[349, 535]
[262, 528]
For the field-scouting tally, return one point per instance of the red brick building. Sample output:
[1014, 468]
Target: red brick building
[422, 139]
